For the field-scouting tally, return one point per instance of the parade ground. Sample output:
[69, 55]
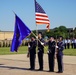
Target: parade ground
[18, 64]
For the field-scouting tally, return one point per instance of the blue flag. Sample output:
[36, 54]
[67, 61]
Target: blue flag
[21, 31]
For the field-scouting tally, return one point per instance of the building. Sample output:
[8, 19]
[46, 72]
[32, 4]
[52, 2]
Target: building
[6, 35]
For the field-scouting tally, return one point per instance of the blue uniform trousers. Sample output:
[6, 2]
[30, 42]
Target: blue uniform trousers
[40, 59]
[32, 60]
[51, 61]
[60, 62]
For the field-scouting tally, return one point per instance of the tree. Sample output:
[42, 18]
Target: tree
[75, 32]
[56, 32]
[62, 29]
[48, 34]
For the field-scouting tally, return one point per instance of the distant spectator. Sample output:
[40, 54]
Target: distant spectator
[65, 43]
[75, 43]
[68, 43]
[72, 43]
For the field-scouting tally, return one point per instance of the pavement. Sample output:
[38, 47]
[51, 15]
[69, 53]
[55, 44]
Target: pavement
[18, 64]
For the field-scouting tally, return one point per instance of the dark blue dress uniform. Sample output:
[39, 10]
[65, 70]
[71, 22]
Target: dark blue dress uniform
[60, 56]
[40, 54]
[51, 53]
[32, 52]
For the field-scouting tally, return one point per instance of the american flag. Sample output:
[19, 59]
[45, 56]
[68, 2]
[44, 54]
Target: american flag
[41, 16]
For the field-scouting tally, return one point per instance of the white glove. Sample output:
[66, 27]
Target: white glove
[28, 46]
[42, 43]
[47, 51]
[36, 37]
[38, 51]
[56, 46]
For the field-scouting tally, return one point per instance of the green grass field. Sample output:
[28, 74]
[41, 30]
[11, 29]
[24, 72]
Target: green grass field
[24, 49]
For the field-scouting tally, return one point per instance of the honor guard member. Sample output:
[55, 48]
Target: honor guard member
[32, 53]
[60, 48]
[40, 51]
[51, 53]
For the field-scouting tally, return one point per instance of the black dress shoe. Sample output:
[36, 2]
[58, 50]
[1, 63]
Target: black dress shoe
[40, 70]
[59, 72]
[31, 69]
[50, 71]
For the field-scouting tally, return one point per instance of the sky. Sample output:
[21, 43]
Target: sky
[60, 12]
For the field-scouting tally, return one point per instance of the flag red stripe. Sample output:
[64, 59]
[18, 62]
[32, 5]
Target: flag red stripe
[47, 26]
[41, 15]
[42, 19]
[41, 23]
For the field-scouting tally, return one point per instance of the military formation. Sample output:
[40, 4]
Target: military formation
[70, 43]
[55, 50]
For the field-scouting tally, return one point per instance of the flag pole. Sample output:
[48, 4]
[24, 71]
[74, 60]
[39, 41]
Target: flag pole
[56, 48]
[36, 24]
[36, 30]
[37, 35]
[37, 40]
